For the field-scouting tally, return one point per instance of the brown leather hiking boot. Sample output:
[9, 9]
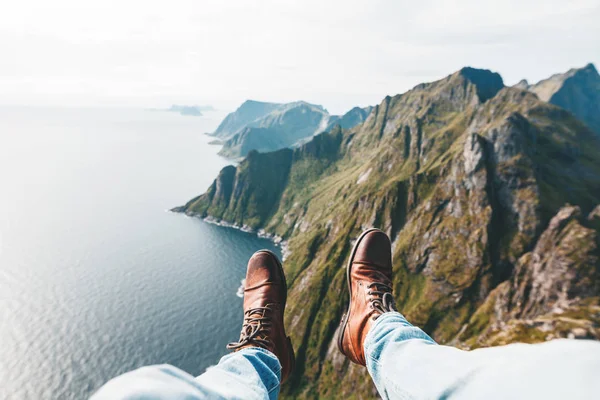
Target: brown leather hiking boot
[265, 295]
[369, 274]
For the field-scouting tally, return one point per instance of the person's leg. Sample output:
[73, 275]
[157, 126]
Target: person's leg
[405, 363]
[262, 359]
[251, 373]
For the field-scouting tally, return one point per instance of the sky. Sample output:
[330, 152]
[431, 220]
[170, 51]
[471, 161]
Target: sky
[335, 53]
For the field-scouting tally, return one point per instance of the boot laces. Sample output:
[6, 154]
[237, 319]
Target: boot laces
[381, 298]
[256, 329]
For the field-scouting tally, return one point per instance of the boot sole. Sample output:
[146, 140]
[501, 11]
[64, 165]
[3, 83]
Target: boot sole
[344, 321]
[292, 355]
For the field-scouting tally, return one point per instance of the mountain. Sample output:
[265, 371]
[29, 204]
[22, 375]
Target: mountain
[577, 90]
[272, 126]
[349, 120]
[194, 111]
[489, 194]
[285, 126]
[248, 112]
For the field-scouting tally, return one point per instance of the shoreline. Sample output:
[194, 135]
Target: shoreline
[261, 233]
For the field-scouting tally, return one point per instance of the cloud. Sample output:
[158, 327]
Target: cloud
[336, 53]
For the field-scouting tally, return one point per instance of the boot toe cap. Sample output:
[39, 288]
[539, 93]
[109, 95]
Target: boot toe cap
[374, 248]
[263, 267]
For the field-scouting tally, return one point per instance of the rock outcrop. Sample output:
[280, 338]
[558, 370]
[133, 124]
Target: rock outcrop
[554, 291]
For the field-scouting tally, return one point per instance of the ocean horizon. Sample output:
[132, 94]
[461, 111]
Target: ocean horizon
[96, 276]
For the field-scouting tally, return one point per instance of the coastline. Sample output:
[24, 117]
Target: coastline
[261, 233]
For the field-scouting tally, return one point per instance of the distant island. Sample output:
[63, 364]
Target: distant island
[194, 111]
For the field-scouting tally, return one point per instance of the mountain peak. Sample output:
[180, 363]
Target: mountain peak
[523, 84]
[488, 83]
[249, 111]
[591, 68]
[577, 90]
[251, 102]
[302, 103]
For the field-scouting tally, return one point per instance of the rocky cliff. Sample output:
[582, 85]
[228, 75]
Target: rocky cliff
[489, 195]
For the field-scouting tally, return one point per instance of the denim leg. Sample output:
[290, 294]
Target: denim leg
[251, 373]
[405, 363]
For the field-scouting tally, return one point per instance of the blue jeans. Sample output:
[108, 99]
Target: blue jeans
[404, 362]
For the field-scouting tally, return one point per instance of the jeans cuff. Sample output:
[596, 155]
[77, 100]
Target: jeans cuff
[392, 316]
[251, 350]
